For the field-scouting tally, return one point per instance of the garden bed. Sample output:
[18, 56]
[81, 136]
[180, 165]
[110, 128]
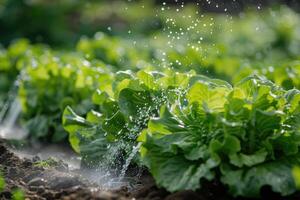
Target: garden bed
[59, 182]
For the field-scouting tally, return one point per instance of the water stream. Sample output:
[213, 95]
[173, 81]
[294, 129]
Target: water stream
[10, 113]
[4, 109]
[129, 159]
[110, 181]
[8, 127]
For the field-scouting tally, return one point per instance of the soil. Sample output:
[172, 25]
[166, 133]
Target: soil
[59, 182]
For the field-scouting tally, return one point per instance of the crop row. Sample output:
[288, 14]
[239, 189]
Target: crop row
[112, 96]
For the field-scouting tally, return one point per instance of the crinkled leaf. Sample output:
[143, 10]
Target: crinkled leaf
[132, 102]
[176, 173]
[147, 79]
[99, 97]
[116, 125]
[241, 159]
[248, 182]
[229, 146]
[208, 98]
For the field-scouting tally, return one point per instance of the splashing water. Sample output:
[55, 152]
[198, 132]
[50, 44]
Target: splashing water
[129, 159]
[9, 114]
[8, 128]
[12, 114]
[4, 109]
[112, 182]
[6, 105]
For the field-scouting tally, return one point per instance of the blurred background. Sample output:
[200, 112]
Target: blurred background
[62, 22]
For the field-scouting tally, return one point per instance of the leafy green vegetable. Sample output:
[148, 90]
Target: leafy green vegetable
[51, 87]
[245, 133]
[112, 130]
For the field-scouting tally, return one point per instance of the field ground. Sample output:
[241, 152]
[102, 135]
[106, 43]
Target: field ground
[60, 182]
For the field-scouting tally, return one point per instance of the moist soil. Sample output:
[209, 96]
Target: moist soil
[59, 182]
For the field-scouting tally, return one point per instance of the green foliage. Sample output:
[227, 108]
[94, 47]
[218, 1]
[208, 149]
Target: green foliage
[46, 81]
[244, 133]
[36, 67]
[296, 175]
[113, 129]
[62, 22]
[52, 84]
[118, 53]
[9, 70]
[2, 182]
[49, 163]
[18, 195]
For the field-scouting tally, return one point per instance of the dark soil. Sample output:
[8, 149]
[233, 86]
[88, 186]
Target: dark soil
[59, 183]
[40, 184]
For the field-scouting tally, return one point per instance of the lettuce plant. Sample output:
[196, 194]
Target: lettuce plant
[110, 132]
[50, 82]
[246, 136]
